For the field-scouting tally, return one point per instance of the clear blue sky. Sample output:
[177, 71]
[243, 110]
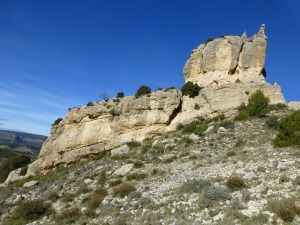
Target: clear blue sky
[59, 54]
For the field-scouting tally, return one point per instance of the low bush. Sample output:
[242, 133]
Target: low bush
[216, 193]
[29, 211]
[120, 95]
[235, 183]
[289, 131]
[228, 124]
[286, 209]
[133, 144]
[11, 164]
[190, 89]
[123, 190]
[258, 106]
[90, 104]
[68, 215]
[136, 176]
[96, 198]
[194, 186]
[114, 113]
[143, 90]
[196, 127]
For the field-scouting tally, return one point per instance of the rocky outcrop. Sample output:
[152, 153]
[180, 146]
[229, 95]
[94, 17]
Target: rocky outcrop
[91, 129]
[224, 99]
[227, 60]
[228, 69]
[294, 106]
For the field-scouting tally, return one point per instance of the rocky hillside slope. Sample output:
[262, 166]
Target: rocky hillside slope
[230, 175]
[104, 125]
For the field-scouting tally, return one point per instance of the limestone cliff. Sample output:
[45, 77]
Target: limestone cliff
[228, 59]
[91, 129]
[228, 69]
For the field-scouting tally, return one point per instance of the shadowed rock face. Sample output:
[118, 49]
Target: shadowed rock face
[227, 60]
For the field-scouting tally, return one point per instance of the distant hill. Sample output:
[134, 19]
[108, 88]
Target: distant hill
[13, 142]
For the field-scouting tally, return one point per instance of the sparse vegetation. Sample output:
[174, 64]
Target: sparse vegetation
[285, 208]
[289, 131]
[190, 89]
[123, 190]
[143, 90]
[235, 182]
[96, 197]
[28, 211]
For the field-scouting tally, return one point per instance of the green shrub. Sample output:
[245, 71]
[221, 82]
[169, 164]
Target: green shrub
[257, 107]
[143, 90]
[90, 104]
[56, 122]
[196, 106]
[194, 186]
[136, 176]
[216, 193]
[11, 164]
[190, 89]
[96, 198]
[120, 95]
[286, 209]
[28, 211]
[133, 144]
[228, 124]
[123, 190]
[196, 127]
[114, 112]
[289, 131]
[69, 215]
[235, 182]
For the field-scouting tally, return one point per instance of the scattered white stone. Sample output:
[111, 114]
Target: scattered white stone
[194, 137]
[120, 151]
[31, 183]
[222, 130]
[123, 170]
[240, 165]
[250, 176]
[88, 181]
[284, 165]
[156, 142]
[209, 129]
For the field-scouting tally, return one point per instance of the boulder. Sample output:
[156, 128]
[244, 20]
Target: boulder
[31, 183]
[124, 149]
[123, 170]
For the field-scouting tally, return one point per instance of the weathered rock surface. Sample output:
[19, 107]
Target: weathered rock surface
[227, 60]
[228, 69]
[224, 99]
[106, 125]
[294, 106]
